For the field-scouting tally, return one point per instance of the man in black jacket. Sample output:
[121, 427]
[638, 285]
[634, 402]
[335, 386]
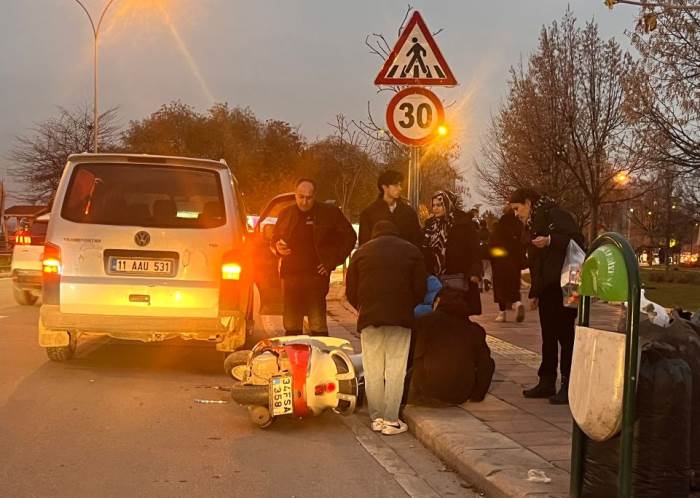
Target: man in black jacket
[312, 239]
[386, 279]
[549, 229]
[389, 206]
[451, 362]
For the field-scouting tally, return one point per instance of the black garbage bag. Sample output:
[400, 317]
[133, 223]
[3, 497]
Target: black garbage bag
[686, 345]
[660, 467]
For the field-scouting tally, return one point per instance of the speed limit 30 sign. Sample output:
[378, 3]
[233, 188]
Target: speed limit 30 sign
[414, 116]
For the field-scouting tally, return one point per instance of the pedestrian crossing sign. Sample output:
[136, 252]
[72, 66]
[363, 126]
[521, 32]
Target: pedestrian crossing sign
[415, 59]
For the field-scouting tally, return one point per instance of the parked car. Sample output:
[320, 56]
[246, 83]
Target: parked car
[26, 261]
[145, 248]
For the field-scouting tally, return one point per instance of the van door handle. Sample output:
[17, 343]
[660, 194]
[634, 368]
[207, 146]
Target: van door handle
[140, 298]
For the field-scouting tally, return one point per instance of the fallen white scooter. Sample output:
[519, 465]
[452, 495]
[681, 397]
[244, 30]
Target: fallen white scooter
[298, 376]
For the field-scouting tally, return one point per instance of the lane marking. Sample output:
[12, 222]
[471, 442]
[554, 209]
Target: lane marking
[403, 474]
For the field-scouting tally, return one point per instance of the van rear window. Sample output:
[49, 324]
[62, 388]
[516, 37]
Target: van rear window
[144, 195]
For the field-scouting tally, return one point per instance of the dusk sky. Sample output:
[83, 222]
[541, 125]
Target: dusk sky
[302, 61]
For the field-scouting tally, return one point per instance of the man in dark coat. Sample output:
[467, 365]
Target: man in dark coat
[312, 239]
[451, 246]
[389, 206]
[451, 362]
[386, 279]
[549, 229]
[507, 259]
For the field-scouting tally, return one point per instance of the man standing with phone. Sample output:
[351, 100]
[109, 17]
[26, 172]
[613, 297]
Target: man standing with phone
[312, 239]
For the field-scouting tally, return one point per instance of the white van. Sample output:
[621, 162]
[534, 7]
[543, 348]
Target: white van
[146, 248]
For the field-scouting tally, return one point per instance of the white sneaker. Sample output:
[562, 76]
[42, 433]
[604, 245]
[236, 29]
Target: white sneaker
[378, 424]
[501, 317]
[519, 312]
[391, 428]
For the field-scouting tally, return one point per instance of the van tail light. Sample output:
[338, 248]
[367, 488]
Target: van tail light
[51, 261]
[232, 292]
[231, 271]
[23, 238]
[51, 271]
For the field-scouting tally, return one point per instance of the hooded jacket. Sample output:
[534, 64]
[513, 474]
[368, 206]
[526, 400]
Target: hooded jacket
[386, 279]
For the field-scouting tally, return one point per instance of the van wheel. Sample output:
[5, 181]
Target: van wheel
[23, 297]
[235, 363]
[63, 353]
[260, 416]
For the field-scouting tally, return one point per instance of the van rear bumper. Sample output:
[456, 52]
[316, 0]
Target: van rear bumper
[229, 329]
[27, 279]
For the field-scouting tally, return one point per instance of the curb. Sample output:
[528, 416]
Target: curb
[491, 461]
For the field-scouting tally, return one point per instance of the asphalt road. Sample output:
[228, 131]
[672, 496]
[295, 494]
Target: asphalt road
[123, 419]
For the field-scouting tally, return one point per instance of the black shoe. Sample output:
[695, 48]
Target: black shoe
[562, 397]
[545, 388]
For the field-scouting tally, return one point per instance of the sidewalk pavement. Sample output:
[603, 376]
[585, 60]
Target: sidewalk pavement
[495, 443]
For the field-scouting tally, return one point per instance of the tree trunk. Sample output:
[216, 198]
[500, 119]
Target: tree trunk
[593, 227]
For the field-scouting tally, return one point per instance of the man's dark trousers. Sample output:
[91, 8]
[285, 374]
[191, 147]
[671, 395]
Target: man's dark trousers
[305, 295]
[558, 323]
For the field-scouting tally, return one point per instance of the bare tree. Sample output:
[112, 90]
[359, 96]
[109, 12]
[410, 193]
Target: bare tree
[563, 127]
[41, 155]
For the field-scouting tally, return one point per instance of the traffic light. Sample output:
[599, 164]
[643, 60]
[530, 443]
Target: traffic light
[610, 3]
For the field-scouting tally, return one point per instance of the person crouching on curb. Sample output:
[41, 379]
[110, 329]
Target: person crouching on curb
[386, 279]
[451, 362]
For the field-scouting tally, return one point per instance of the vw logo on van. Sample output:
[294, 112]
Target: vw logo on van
[142, 238]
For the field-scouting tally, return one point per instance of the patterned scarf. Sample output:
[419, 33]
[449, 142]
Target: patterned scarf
[544, 203]
[436, 229]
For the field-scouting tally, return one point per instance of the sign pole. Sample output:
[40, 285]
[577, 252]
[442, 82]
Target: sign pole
[414, 177]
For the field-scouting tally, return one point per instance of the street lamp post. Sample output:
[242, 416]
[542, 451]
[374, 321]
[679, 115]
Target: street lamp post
[95, 32]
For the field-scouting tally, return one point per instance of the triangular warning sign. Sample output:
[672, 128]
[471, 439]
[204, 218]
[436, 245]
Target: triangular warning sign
[415, 59]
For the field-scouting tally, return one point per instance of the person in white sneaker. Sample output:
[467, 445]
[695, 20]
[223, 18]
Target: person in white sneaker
[507, 259]
[386, 279]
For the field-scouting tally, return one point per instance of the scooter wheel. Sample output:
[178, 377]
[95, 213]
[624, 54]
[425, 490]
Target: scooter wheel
[234, 362]
[260, 416]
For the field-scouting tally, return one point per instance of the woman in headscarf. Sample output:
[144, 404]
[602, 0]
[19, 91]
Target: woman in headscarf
[451, 247]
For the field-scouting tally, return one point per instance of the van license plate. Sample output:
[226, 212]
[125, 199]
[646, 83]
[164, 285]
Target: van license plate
[281, 395]
[136, 266]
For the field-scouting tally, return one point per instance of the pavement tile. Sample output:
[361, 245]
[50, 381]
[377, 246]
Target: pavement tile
[507, 470]
[518, 418]
[552, 452]
[549, 437]
[452, 419]
[564, 426]
[490, 402]
[499, 415]
[564, 465]
[532, 425]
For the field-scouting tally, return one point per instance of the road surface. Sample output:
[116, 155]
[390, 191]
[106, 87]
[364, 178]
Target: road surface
[124, 419]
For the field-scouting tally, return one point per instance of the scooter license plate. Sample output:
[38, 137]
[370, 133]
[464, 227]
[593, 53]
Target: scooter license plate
[281, 395]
